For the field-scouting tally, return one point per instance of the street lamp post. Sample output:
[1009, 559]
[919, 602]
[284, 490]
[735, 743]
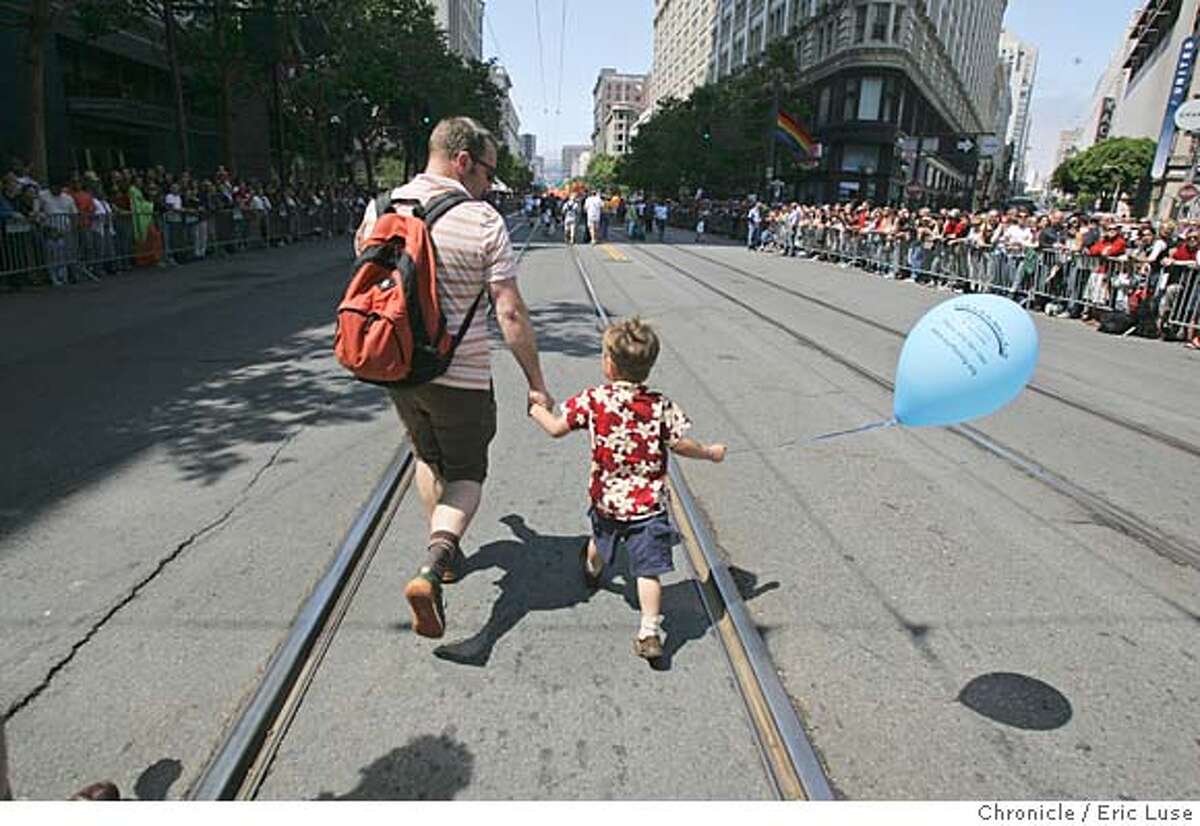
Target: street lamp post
[1117, 188]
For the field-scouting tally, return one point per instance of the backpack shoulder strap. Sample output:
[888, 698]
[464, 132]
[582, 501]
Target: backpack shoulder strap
[439, 205]
[435, 209]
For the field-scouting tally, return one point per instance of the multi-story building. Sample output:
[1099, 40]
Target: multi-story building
[1022, 60]
[994, 170]
[510, 122]
[109, 103]
[463, 22]
[528, 147]
[580, 167]
[1163, 36]
[1068, 145]
[1110, 89]
[682, 47]
[538, 166]
[617, 101]
[571, 154]
[879, 73]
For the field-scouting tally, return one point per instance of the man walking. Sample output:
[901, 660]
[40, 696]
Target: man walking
[661, 213]
[452, 419]
[594, 207]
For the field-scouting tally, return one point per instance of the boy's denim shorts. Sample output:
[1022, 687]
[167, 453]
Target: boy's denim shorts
[648, 542]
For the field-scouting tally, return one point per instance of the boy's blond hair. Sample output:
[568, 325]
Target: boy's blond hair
[632, 345]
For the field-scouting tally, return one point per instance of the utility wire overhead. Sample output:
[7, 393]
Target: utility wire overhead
[537, 13]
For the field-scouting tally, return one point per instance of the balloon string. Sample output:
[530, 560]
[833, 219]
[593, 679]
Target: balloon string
[821, 438]
[863, 429]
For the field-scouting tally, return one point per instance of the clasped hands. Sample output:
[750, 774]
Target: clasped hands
[539, 398]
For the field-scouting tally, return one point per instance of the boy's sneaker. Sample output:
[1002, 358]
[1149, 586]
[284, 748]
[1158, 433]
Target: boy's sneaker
[648, 648]
[424, 595]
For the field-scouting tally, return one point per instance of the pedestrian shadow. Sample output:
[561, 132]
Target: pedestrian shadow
[426, 768]
[542, 572]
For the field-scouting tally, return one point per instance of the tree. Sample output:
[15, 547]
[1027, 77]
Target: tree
[38, 18]
[602, 172]
[513, 170]
[1112, 166]
[719, 137]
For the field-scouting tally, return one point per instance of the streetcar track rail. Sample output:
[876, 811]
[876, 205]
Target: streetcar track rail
[239, 765]
[1120, 421]
[1102, 511]
[242, 762]
[792, 764]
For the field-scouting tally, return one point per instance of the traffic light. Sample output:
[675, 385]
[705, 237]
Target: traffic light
[426, 115]
[705, 134]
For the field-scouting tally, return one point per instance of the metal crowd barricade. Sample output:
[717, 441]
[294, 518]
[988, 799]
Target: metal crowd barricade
[57, 249]
[1075, 280]
[1179, 304]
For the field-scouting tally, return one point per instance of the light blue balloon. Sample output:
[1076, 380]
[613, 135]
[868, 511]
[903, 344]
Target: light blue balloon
[965, 358]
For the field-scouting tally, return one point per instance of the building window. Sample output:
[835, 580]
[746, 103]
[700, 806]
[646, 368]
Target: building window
[823, 106]
[850, 100]
[879, 27]
[775, 27]
[860, 24]
[897, 23]
[871, 91]
[862, 158]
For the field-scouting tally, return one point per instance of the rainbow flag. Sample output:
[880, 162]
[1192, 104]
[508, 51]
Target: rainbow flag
[789, 130]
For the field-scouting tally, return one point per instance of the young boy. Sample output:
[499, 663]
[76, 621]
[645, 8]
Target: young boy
[631, 428]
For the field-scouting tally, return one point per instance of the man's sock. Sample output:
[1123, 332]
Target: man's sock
[651, 627]
[442, 547]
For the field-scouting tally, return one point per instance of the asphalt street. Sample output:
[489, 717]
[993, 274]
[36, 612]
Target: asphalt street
[185, 456]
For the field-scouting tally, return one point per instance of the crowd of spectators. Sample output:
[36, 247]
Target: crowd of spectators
[1121, 274]
[87, 225]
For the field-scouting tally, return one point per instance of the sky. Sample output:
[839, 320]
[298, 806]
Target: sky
[557, 106]
[1075, 39]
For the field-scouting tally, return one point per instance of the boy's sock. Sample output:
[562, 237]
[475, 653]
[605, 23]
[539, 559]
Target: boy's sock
[652, 627]
[442, 547]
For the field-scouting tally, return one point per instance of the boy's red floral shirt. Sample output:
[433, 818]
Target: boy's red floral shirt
[632, 429]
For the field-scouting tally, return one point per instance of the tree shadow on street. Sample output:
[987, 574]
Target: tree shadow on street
[201, 379]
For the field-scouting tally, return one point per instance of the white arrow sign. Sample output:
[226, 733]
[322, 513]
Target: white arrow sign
[965, 145]
[989, 145]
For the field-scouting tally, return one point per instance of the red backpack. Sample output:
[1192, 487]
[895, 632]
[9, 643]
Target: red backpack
[390, 325]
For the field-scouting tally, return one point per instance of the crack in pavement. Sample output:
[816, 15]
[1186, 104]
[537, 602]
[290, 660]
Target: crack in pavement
[96, 627]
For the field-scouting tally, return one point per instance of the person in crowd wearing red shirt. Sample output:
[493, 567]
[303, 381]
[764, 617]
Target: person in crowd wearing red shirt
[1099, 287]
[1181, 269]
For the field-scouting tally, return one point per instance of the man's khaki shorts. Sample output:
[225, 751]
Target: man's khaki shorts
[450, 428]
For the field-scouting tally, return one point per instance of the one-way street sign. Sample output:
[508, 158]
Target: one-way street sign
[965, 145]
